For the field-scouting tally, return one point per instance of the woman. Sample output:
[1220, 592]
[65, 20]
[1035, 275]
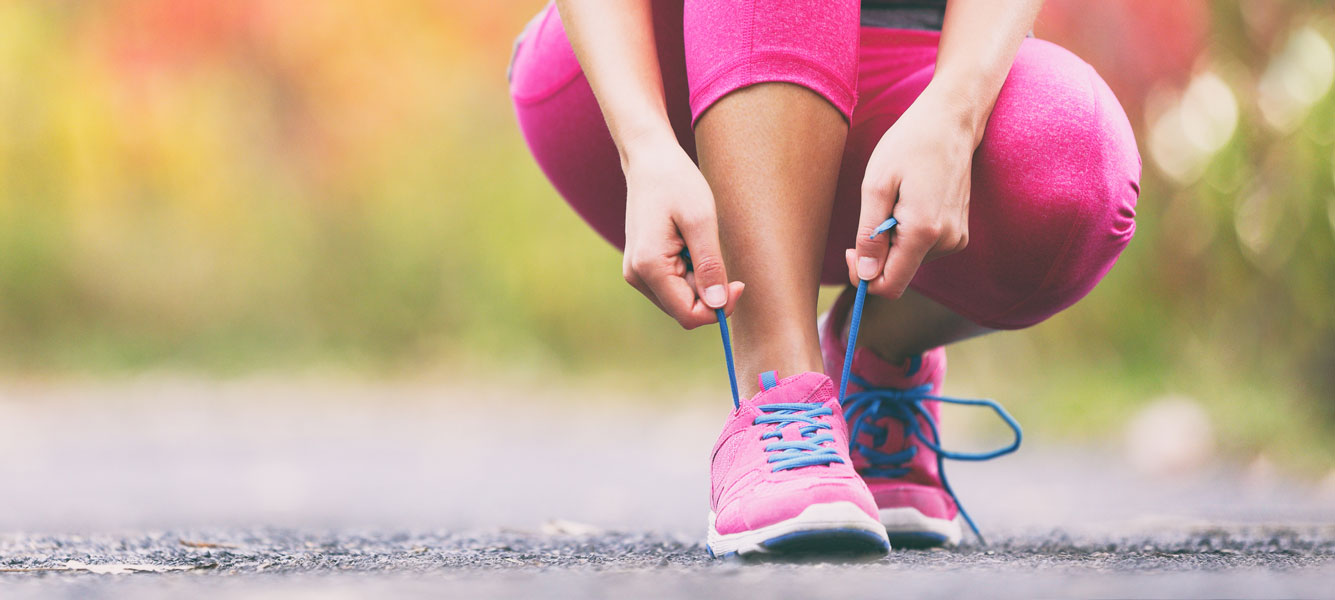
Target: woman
[769, 139]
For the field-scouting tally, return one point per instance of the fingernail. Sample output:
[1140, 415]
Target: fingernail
[866, 267]
[716, 296]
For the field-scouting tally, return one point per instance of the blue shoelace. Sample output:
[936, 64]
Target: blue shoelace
[875, 404]
[906, 406]
[806, 452]
[803, 453]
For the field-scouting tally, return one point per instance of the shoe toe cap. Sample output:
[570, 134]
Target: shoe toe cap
[772, 503]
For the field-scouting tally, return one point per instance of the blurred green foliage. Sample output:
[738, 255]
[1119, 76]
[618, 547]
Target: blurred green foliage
[254, 186]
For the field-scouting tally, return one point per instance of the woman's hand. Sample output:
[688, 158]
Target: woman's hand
[669, 207]
[919, 173]
[920, 170]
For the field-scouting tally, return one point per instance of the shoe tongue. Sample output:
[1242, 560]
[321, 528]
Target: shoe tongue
[879, 372]
[803, 387]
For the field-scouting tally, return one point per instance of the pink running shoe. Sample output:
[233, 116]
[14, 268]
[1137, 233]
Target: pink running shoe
[782, 480]
[893, 412]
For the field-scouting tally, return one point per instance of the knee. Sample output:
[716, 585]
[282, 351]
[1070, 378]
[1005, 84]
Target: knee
[732, 44]
[542, 62]
[1061, 158]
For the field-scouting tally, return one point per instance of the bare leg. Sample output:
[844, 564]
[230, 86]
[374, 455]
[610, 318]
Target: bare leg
[898, 329]
[771, 154]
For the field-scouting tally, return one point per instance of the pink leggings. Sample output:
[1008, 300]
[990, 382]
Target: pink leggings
[1054, 184]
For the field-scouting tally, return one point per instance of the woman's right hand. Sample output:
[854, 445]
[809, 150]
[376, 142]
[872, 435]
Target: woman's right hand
[669, 207]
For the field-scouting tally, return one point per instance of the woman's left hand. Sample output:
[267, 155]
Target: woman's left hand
[919, 173]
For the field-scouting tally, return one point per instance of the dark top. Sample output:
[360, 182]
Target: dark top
[904, 14]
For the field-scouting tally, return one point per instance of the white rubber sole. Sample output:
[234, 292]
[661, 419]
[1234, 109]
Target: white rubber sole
[907, 526]
[832, 527]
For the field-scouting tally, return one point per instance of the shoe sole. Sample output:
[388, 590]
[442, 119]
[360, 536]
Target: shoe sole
[829, 528]
[907, 527]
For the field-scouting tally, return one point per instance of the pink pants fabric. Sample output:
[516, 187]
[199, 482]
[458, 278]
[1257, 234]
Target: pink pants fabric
[1055, 179]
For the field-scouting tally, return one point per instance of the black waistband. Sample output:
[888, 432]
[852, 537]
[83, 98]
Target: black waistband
[924, 14]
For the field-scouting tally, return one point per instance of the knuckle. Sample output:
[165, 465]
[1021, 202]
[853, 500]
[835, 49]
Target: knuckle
[947, 242]
[878, 188]
[708, 264]
[865, 245]
[695, 220]
[864, 234]
[641, 264]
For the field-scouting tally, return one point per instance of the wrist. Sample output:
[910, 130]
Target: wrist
[965, 105]
[648, 141]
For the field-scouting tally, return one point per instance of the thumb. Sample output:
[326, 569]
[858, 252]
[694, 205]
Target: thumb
[711, 278]
[873, 243]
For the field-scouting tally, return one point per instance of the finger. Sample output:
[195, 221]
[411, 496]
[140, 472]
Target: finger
[877, 203]
[906, 255]
[959, 245]
[947, 245]
[634, 280]
[700, 233]
[941, 251]
[675, 296]
[735, 289]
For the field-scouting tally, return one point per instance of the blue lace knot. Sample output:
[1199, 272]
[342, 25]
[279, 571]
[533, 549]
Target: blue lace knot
[877, 404]
[809, 450]
[873, 404]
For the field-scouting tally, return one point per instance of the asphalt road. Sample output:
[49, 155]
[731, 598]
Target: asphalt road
[165, 488]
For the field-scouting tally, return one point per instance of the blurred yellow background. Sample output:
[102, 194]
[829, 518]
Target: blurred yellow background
[228, 189]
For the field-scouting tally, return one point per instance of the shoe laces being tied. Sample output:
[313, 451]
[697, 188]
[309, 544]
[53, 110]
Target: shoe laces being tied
[874, 404]
[906, 406]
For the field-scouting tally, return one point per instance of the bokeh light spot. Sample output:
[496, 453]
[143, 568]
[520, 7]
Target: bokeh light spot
[1209, 113]
[1299, 75]
[1192, 129]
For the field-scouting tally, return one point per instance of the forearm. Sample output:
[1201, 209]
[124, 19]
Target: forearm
[614, 41]
[978, 44]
